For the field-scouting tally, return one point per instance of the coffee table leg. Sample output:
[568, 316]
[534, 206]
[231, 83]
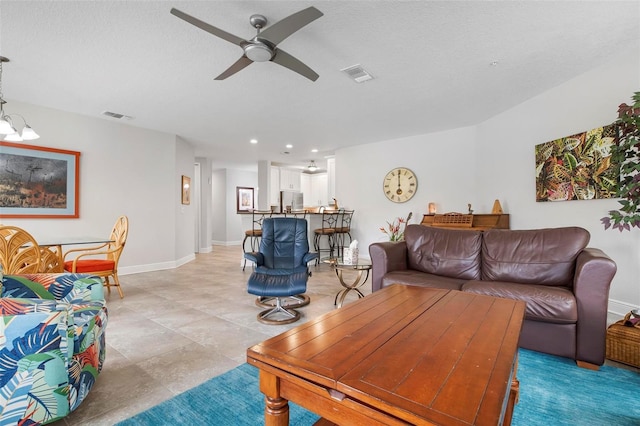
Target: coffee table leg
[514, 395]
[276, 411]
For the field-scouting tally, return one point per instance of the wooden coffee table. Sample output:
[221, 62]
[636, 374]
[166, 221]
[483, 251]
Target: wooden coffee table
[401, 355]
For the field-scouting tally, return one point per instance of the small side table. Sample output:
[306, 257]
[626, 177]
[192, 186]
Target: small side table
[362, 268]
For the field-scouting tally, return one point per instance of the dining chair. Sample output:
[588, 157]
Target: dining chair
[50, 261]
[102, 260]
[19, 251]
[255, 233]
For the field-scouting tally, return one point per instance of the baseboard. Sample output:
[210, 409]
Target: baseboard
[206, 249]
[619, 308]
[127, 270]
[226, 243]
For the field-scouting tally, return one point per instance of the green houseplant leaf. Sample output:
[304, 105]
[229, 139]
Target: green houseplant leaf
[627, 154]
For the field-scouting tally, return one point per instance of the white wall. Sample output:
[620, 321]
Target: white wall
[506, 163]
[206, 205]
[228, 227]
[444, 163]
[185, 213]
[219, 207]
[124, 170]
[495, 160]
[235, 227]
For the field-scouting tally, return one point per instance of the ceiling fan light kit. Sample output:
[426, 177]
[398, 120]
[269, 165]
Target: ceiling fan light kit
[262, 47]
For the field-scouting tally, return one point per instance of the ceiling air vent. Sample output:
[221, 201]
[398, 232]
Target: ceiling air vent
[117, 115]
[357, 73]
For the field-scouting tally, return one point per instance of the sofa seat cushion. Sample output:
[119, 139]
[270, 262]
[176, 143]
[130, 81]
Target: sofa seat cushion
[532, 256]
[408, 277]
[544, 303]
[447, 252]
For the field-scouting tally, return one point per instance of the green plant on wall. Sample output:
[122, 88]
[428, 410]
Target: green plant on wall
[627, 154]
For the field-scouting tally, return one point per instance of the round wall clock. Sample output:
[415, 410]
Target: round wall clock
[400, 185]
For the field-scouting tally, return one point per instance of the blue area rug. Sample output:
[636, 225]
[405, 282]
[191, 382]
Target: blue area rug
[553, 391]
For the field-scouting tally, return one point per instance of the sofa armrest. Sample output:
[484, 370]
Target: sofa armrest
[86, 289]
[386, 257]
[592, 280]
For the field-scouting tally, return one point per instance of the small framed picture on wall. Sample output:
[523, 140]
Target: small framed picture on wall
[244, 199]
[186, 190]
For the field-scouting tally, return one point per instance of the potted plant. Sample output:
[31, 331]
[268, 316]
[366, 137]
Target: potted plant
[395, 230]
[627, 155]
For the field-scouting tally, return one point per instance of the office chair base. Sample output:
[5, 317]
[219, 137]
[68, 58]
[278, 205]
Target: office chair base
[291, 302]
[290, 315]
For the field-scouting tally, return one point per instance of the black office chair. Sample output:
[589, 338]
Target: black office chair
[281, 267]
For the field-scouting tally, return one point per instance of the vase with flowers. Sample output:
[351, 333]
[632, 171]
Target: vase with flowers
[395, 229]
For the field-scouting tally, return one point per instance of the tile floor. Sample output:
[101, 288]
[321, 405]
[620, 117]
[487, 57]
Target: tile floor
[175, 329]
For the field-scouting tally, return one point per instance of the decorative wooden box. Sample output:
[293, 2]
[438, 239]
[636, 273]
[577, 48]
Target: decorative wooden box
[623, 343]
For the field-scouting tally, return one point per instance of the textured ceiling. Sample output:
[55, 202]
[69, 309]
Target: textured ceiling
[430, 59]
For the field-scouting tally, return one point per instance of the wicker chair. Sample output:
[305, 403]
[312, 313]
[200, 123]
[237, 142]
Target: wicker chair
[19, 251]
[106, 265]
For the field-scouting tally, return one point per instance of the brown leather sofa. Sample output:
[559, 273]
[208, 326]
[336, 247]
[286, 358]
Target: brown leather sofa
[564, 284]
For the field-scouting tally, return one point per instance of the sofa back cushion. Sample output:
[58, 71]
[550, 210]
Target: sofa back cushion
[533, 256]
[447, 252]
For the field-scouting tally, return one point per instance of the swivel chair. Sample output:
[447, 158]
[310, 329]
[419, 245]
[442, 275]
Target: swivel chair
[281, 267]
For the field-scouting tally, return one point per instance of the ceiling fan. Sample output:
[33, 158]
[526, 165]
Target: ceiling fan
[262, 47]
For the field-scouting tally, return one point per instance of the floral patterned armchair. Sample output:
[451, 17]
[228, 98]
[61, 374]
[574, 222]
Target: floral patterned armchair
[52, 344]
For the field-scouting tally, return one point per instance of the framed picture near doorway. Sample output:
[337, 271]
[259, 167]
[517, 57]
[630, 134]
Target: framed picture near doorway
[244, 199]
[186, 190]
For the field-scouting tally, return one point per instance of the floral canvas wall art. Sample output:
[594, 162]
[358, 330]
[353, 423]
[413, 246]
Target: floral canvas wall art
[577, 167]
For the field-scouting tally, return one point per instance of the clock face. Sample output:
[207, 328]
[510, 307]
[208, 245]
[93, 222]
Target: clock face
[400, 185]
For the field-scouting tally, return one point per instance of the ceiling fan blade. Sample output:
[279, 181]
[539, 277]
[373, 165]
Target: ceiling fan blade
[283, 58]
[238, 65]
[289, 25]
[208, 28]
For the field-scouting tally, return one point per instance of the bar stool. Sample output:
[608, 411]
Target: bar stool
[343, 229]
[298, 214]
[255, 233]
[329, 223]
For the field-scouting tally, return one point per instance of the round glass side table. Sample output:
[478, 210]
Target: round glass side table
[362, 268]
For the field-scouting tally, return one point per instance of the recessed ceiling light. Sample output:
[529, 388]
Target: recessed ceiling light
[289, 146]
[254, 141]
[493, 63]
[314, 150]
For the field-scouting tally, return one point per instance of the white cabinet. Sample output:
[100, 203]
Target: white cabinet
[289, 180]
[305, 187]
[315, 189]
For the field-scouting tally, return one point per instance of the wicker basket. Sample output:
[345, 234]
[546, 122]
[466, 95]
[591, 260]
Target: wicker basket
[623, 343]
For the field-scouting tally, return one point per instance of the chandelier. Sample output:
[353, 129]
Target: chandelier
[6, 120]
